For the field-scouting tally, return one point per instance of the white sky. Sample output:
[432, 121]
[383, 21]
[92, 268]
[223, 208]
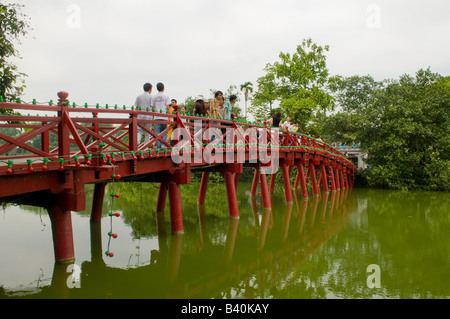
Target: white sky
[103, 51]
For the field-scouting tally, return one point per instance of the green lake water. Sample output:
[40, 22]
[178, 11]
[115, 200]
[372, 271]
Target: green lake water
[353, 243]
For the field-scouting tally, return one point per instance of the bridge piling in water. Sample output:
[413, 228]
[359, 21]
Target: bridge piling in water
[162, 194]
[203, 188]
[97, 202]
[63, 246]
[176, 209]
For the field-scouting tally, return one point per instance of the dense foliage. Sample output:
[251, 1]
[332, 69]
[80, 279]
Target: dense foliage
[402, 124]
[297, 83]
[13, 26]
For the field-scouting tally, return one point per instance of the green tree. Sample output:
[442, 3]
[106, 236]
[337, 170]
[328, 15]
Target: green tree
[402, 124]
[352, 99]
[247, 88]
[264, 97]
[298, 81]
[189, 104]
[13, 26]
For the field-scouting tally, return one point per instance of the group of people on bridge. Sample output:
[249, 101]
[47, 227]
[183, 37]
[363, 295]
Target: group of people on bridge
[160, 102]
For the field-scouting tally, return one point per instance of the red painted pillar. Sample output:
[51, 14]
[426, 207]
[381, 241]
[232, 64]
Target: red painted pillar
[347, 179]
[265, 192]
[338, 184]
[162, 194]
[97, 202]
[176, 210]
[324, 179]
[287, 183]
[203, 188]
[312, 171]
[255, 182]
[297, 178]
[272, 182]
[303, 181]
[341, 174]
[231, 194]
[62, 234]
[236, 180]
[333, 184]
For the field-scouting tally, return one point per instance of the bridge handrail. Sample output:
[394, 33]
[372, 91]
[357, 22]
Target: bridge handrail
[120, 124]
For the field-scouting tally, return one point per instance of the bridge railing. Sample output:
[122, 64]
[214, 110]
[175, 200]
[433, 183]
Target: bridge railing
[71, 135]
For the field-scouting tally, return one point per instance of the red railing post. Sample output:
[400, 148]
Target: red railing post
[63, 129]
[132, 132]
[45, 140]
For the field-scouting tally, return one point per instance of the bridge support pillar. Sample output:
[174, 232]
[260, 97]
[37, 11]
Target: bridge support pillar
[176, 210]
[272, 182]
[231, 194]
[161, 201]
[203, 188]
[324, 178]
[287, 183]
[228, 172]
[62, 234]
[265, 192]
[97, 203]
[236, 180]
[312, 171]
[255, 182]
[336, 175]
[301, 177]
[333, 184]
[341, 175]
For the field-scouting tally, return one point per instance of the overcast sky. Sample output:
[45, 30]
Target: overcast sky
[103, 51]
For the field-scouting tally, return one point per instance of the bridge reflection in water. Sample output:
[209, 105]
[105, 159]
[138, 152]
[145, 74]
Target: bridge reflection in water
[242, 264]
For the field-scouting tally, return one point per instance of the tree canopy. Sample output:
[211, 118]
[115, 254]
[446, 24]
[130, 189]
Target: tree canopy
[13, 26]
[402, 124]
[297, 82]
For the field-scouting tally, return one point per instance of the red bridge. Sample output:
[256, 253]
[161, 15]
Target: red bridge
[46, 160]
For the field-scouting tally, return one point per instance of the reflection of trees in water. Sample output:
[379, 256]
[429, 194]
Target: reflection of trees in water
[404, 233]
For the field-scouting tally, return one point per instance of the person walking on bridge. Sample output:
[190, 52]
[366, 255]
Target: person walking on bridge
[144, 102]
[161, 103]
